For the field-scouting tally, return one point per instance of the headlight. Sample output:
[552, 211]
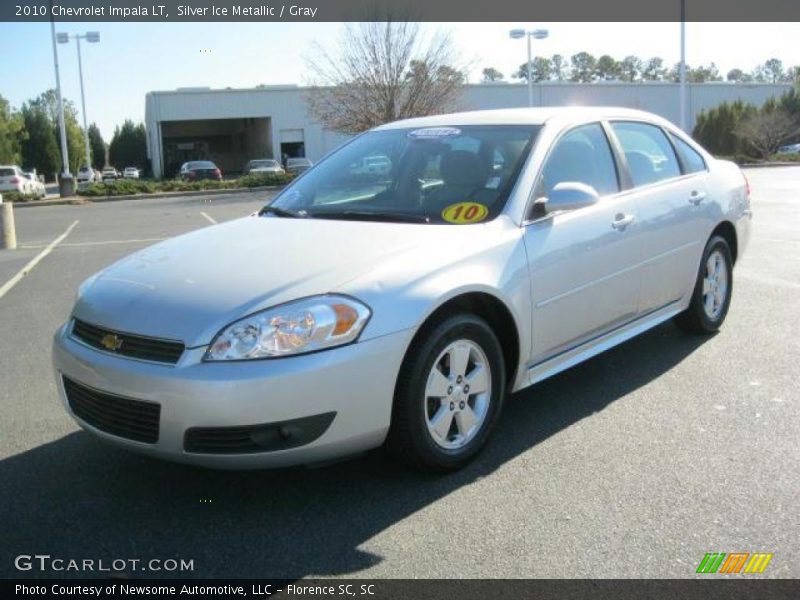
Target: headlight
[297, 327]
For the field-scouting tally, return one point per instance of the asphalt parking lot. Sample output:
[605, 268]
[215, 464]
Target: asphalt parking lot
[634, 464]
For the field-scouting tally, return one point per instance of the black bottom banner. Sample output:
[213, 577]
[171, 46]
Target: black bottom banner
[411, 589]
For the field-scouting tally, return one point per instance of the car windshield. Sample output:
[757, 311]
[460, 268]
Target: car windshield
[433, 174]
[202, 164]
[257, 164]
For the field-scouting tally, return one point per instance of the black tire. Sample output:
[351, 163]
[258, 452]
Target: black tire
[695, 319]
[409, 439]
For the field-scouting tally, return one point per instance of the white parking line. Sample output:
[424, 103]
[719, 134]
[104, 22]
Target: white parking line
[102, 243]
[35, 261]
[210, 218]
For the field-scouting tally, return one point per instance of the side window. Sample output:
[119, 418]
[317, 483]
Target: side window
[648, 151]
[584, 156]
[692, 160]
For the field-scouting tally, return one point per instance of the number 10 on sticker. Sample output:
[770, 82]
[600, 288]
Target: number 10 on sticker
[465, 212]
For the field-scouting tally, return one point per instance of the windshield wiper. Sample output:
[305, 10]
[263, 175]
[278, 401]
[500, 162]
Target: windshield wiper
[368, 215]
[282, 212]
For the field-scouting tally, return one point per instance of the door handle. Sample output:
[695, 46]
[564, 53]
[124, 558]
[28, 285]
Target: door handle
[621, 221]
[697, 197]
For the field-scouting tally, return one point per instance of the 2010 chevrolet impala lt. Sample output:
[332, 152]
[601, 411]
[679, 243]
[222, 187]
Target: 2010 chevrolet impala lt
[399, 289]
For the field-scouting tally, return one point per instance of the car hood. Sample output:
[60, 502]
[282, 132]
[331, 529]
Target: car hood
[189, 287]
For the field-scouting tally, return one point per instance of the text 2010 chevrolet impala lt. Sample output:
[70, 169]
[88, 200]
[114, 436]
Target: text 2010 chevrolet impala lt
[399, 305]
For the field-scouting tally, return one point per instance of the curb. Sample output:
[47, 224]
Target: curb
[189, 194]
[768, 165]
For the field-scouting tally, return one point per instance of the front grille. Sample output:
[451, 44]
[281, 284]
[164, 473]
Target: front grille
[249, 439]
[132, 419]
[126, 344]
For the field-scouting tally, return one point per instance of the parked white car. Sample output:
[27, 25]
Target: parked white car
[12, 179]
[504, 247]
[109, 174]
[36, 186]
[263, 166]
[85, 175]
[130, 173]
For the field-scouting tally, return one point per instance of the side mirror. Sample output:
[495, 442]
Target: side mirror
[571, 195]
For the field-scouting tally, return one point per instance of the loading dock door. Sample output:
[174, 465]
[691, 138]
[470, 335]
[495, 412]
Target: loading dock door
[293, 143]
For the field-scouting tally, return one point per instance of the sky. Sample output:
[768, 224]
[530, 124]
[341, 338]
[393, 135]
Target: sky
[132, 59]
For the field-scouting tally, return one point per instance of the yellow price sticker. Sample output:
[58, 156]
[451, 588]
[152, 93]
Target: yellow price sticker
[465, 212]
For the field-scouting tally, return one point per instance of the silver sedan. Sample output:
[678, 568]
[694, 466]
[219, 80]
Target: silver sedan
[400, 306]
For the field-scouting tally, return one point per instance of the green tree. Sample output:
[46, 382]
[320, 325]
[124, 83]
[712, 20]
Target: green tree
[48, 101]
[770, 71]
[584, 67]
[738, 76]
[76, 145]
[607, 68]
[560, 68]
[97, 147]
[40, 150]
[128, 147]
[12, 133]
[716, 127]
[654, 69]
[541, 69]
[630, 69]
[705, 73]
[492, 74]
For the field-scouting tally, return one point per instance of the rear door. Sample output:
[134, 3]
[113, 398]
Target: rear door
[671, 201]
[584, 264]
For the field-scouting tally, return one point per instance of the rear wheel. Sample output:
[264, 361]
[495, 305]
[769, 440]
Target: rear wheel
[712, 292]
[449, 395]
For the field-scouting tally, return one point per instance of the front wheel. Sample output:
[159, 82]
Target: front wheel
[712, 291]
[449, 395]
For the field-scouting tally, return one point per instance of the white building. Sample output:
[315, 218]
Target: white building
[232, 126]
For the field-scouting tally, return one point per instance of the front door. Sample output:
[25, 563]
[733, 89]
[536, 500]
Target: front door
[584, 264]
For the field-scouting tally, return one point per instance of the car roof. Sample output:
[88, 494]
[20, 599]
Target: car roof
[522, 116]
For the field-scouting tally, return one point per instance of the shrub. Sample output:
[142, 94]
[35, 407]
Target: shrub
[787, 157]
[124, 187]
[17, 197]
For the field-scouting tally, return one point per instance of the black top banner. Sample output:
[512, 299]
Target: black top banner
[405, 10]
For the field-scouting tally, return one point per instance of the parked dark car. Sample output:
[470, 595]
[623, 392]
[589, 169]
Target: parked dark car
[199, 169]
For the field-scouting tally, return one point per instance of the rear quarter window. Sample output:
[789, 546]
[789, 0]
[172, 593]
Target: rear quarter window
[649, 154]
[693, 162]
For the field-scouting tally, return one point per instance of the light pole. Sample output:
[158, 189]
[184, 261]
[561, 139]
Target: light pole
[539, 34]
[92, 37]
[65, 181]
[682, 94]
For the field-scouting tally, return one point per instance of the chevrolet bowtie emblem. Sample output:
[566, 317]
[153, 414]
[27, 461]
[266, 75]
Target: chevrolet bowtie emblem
[111, 342]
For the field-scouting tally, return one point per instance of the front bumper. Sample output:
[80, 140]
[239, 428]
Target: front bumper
[356, 382]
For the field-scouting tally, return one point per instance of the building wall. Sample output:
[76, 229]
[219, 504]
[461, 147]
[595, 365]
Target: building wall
[286, 107]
